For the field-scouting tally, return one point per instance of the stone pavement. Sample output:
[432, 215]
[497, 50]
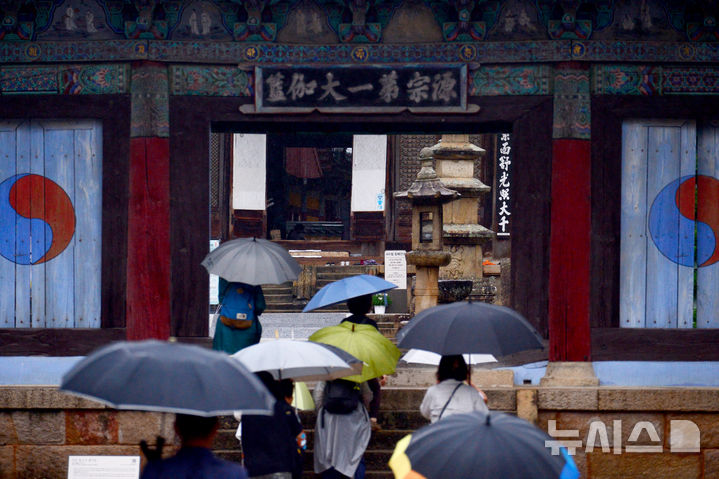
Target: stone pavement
[296, 325]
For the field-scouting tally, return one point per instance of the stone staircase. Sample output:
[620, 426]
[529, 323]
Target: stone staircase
[279, 298]
[399, 410]
[396, 424]
[399, 416]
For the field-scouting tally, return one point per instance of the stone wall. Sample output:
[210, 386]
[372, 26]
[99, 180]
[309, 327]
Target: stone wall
[41, 427]
[630, 416]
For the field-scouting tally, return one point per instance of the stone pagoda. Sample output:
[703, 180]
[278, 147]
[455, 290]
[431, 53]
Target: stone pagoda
[464, 237]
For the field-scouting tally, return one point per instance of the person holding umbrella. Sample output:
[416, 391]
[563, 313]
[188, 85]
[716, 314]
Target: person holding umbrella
[342, 429]
[243, 264]
[357, 291]
[341, 436]
[238, 324]
[451, 395]
[269, 443]
[194, 459]
[359, 306]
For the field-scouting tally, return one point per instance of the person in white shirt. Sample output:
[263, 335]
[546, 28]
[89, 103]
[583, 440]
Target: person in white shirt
[451, 395]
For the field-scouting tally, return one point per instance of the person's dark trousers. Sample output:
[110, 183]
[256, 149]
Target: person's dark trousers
[331, 473]
[376, 397]
[359, 472]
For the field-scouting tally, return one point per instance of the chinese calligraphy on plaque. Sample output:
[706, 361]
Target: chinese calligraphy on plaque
[504, 162]
[366, 88]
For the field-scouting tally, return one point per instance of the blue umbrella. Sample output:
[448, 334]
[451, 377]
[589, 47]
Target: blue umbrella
[344, 289]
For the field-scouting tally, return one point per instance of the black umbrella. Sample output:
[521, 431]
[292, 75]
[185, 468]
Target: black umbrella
[167, 377]
[469, 327]
[481, 445]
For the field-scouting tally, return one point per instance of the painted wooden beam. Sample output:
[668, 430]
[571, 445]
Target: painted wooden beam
[569, 334]
[148, 263]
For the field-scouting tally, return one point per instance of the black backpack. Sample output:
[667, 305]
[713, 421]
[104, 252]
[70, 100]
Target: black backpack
[341, 397]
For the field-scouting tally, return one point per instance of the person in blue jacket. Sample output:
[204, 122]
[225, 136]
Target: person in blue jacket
[238, 324]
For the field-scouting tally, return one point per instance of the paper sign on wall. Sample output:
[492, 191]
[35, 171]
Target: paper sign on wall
[395, 268]
[107, 467]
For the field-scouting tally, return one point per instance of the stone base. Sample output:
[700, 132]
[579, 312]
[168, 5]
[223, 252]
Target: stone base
[570, 373]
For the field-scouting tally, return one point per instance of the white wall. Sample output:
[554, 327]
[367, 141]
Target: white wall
[369, 160]
[249, 171]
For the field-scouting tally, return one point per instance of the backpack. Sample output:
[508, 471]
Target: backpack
[341, 397]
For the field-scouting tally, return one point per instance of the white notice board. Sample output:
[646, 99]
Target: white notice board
[106, 467]
[395, 267]
[214, 279]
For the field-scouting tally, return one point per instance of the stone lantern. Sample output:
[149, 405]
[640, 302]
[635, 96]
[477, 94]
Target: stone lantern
[427, 195]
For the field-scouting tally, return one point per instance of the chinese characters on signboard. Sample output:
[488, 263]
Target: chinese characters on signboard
[366, 88]
[504, 162]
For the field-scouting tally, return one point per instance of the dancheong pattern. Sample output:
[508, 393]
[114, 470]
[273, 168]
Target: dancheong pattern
[65, 79]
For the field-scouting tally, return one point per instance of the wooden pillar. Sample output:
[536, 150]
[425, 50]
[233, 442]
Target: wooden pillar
[569, 258]
[148, 236]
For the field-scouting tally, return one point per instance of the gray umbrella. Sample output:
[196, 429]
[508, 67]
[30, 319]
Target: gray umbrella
[469, 327]
[252, 261]
[167, 377]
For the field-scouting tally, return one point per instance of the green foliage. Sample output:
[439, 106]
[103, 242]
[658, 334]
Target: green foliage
[381, 299]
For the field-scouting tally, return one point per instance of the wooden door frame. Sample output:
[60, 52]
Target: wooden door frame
[192, 118]
[114, 113]
[609, 341]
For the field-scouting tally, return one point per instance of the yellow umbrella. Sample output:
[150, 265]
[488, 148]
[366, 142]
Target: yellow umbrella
[365, 343]
[302, 398]
[399, 462]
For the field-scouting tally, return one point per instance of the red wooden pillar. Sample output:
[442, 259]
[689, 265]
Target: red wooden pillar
[148, 235]
[569, 258]
[569, 251]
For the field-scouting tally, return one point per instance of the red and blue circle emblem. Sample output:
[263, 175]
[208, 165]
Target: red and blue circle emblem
[672, 225]
[37, 219]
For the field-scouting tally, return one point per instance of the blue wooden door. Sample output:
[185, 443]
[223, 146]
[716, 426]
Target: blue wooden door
[669, 225]
[50, 224]
[708, 227]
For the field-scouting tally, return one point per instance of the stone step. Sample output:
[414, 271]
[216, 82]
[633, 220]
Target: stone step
[335, 308]
[350, 270]
[376, 461]
[284, 307]
[399, 415]
[278, 298]
[382, 439]
[277, 287]
[333, 275]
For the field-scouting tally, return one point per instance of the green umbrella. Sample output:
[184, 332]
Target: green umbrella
[365, 343]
